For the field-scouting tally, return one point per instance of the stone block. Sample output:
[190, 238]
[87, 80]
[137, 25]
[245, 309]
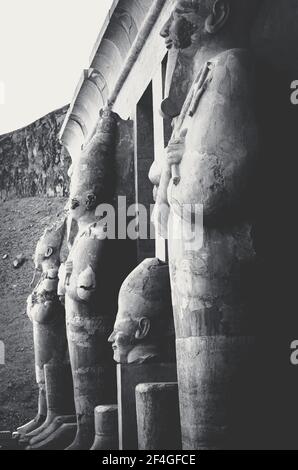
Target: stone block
[158, 416]
[128, 377]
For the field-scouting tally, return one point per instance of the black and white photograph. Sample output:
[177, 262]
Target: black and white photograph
[148, 242]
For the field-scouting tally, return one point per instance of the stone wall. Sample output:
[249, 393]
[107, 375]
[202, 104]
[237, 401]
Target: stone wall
[32, 162]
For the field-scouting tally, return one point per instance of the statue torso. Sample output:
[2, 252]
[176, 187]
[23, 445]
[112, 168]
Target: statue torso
[222, 139]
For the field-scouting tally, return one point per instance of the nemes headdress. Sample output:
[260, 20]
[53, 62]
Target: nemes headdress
[90, 171]
[151, 281]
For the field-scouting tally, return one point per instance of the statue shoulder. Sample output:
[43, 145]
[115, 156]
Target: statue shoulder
[233, 59]
[230, 74]
[233, 71]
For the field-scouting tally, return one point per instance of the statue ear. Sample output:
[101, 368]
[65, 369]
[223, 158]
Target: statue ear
[143, 328]
[219, 16]
[49, 252]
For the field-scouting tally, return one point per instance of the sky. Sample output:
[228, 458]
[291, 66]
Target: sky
[44, 47]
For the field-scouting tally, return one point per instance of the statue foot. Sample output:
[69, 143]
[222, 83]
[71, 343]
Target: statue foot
[83, 441]
[53, 426]
[31, 426]
[58, 440]
[26, 437]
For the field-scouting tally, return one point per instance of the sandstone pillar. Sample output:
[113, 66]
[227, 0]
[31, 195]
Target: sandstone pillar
[158, 416]
[106, 428]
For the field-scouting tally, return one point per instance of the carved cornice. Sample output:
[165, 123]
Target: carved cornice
[121, 39]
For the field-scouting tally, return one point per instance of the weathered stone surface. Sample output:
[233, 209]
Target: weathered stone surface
[158, 416]
[90, 299]
[59, 402]
[47, 315]
[144, 330]
[106, 428]
[92, 367]
[128, 377]
[32, 162]
[124, 162]
[59, 439]
[23, 222]
[213, 150]
[213, 419]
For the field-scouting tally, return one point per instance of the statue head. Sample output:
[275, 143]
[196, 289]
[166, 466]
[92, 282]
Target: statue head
[90, 182]
[43, 305]
[144, 329]
[47, 252]
[195, 23]
[83, 202]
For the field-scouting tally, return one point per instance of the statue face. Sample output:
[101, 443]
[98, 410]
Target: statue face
[128, 330]
[186, 25]
[46, 255]
[144, 320]
[81, 204]
[123, 339]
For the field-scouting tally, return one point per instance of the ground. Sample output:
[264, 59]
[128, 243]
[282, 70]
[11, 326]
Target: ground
[22, 223]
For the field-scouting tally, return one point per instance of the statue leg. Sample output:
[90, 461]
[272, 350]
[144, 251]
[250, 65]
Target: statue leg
[41, 413]
[93, 370]
[215, 343]
[50, 347]
[60, 401]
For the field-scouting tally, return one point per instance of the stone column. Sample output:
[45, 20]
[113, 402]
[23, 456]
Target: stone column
[106, 428]
[158, 416]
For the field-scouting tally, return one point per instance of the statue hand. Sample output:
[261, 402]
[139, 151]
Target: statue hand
[176, 149]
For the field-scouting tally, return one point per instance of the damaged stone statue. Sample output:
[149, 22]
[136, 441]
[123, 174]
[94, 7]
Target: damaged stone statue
[88, 304]
[142, 340]
[47, 315]
[211, 162]
[143, 331]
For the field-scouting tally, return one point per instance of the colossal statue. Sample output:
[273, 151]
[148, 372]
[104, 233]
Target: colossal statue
[48, 318]
[89, 311]
[142, 340]
[211, 161]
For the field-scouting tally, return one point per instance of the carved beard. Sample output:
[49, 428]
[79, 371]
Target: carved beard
[182, 32]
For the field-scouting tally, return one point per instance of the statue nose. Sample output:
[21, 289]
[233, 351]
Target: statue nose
[166, 29]
[111, 338]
